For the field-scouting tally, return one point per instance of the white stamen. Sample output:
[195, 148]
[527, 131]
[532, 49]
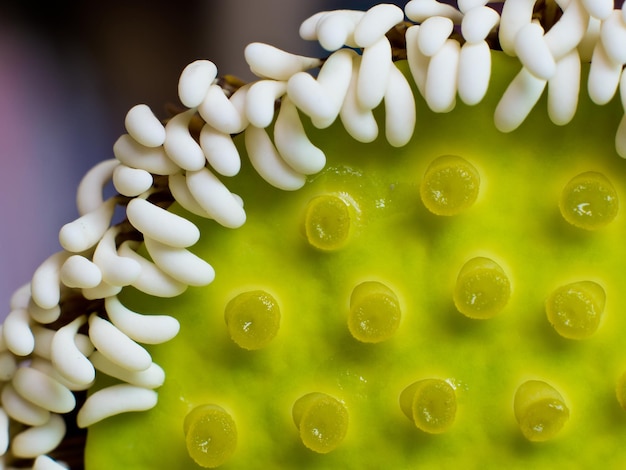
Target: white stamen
[589, 40]
[8, 365]
[376, 62]
[468, 5]
[102, 290]
[117, 346]
[43, 390]
[600, 9]
[376, 22]
[151, 280]
[78, 271]
[478, 22]
[442, 78]
[89, 193]
[418, 62]
[144, 126]
[147, 329]
[292, 142]
[152, 377]
[420, 10]
[238, 100]
[215, 199]
[131, 182]
[115, 400]
[604, 76]
[20, 297]
[180, 263]
[161, 225]
[336, 29]
[67, 358]
[17, 333]
[267, 61]
[268, 163]
[194, 82]
[399, 109]
[563, 89]
[43, 462]
[178, 187]
[533, 52]
[474, 72]
[308, 28]
[567, 33]
[45, 366]
[44, 337]
[515, 15]
[88, 229]
[152, 159]
[221, 113]
[220, 151]
[180, 146]
[116, 270]
[46, 281]
[358, 122]
[433, 34]
[39, 440]
[613, 36]
[21, 409]
[260, 101]
[43, 315]
[518, 100]
[4, 431]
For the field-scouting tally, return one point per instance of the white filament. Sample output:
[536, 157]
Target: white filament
[115, 400]
[194, 82]
[144, 126]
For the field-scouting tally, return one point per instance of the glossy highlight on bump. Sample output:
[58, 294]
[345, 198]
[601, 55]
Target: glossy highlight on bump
[431, 404]
[374, 314]
[210, 435]
[252, 319]
[540, 410]
[322, 421]
[482, 288]
[328, 222]
[450, 185]
[575, 310]
[589, 201]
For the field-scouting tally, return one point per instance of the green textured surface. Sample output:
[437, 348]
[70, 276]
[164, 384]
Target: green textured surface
[515, 221]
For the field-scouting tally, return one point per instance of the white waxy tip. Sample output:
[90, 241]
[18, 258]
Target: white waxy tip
[220, 151]
[358, 122]
[564, 88]
[147, 329]
[567, 33]
[420, 10]
[43, 315]
[221, 113]
[604, 76]
[67, 358]
[180, 146]
[131, 182]
[4, 431]
[336, 29]
[418, 62]
[433, 34]
[17, 333]
[261, 99]
[308, 28]
[45, 366]
[194, 82]
[292, 142]
[180, 263]
[100, 291]
[115, 400]
[613, 36]
[620, 138]
[474, 72]
[46, 281]
[116, 270]
[151, 280]
[533, 52]
[152, 377]
[43, 390]
[478, 23]
[84, 232]
[180, 191]
[117, 346]
[376, 62]
[8, 365]
[144, 126]
[376, 22]
[267, 61]
[158, 223]
[399, 109]
[518, 100]
[215, 198]
[89, 193]
[152, 159]
[39, 440]
[442, 78]
[78, 271]
[268, 163]
[44, 462]
[515, 15]
[600, 9]
[468, 5]
[21, 409]
[589, 40]
[20, 297]
[44, 337]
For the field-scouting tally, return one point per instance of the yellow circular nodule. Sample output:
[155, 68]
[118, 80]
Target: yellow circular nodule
[539, 410]
[430, 404]
[322, 421]
[210, 435]
[374, 314]
[450, 185]
[482, 289]
[575, 310]
[327, 222]
[589, 201]
[252, 319]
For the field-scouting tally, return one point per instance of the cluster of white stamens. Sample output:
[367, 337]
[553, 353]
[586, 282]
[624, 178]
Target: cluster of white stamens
[40, 367]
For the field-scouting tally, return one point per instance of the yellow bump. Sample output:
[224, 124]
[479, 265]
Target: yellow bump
[252, 319]
[589, 201]
[539, 410]
[374, 312]
[322, 421]
[575, 310]
[450, 185]
[430, 404]
[210, 435]
[482, 289]
[328, 222]
[621, 390]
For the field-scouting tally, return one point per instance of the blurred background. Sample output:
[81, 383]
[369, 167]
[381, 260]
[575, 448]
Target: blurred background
[69, 72]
